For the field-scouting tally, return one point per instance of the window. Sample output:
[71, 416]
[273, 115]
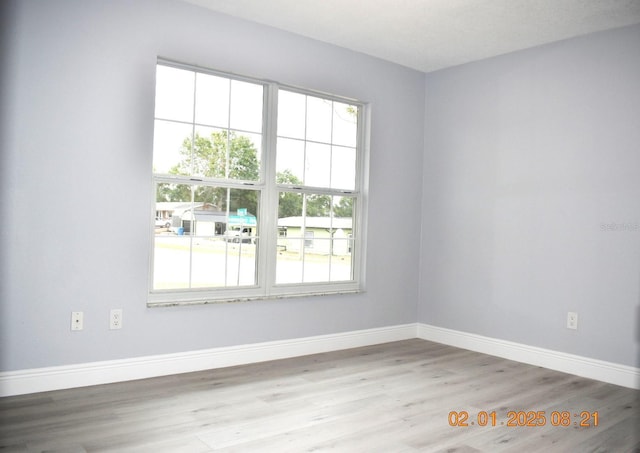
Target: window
[257, 187]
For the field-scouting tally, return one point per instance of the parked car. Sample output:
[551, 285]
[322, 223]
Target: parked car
[163, 223]
[237, 234]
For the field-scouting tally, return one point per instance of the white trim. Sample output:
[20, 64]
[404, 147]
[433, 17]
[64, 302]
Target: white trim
[600, 370]
[94, 373]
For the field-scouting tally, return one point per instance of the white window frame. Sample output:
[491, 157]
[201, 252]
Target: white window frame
[266, 251]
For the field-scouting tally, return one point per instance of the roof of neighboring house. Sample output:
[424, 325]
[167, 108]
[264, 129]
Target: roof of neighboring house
[208, 216]
[206, 212]
[316, 222]
[172, 205]
[178, 207]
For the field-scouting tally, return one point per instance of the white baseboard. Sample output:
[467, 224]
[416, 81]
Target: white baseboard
[600, 370]
[94, 373]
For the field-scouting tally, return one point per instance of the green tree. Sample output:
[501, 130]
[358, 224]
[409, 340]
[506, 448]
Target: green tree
[318, 205]
[210, 158]
[222, 154]
[290, 204]
[164, 193]
[344, 208]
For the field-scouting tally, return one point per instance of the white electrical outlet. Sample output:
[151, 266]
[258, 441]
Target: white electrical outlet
[572, 320]
[115, 319]
[77, 320]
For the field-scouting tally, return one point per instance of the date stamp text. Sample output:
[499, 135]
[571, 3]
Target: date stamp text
[584, 419]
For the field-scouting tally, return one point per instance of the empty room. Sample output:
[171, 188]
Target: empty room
[287, 226]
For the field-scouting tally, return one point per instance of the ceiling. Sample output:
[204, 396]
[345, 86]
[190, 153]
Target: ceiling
[433, 34]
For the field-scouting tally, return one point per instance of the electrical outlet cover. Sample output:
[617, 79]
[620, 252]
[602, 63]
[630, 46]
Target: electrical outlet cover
[115, 319]
[77, 321]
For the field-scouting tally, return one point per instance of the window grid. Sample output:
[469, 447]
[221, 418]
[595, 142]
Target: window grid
[267, 189]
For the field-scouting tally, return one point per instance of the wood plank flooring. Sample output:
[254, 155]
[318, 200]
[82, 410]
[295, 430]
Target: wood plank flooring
[394, 397]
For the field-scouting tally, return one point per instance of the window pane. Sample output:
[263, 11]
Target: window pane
[319, 115]
[172, 251]
[343, 209]
[317, 165]
[317, 259]
[224, 140]
[209, 153]
[174, 94]
[326, 122]
[318, 208]
[212, 100]
[246, 106]
[289, 261]
[290, 161]
[208, 261]
[171, 261]
[218, 153]
[218, 263]
[242, 206]
[343, 212]
[345, 124]
[343, 167]
[241, 264]
[316, 246]
[211, 241]
[289, 205]
[245, 155]
[291, 114]
[341, 269]
[171, 146]
[290, 245]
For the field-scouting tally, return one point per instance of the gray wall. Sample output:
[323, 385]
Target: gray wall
[528, 160]
[78, 81]
[531, 197]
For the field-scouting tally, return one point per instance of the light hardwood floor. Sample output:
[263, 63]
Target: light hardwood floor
[394, 397]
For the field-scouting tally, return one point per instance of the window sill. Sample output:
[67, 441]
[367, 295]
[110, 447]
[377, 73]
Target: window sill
[232, 300]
